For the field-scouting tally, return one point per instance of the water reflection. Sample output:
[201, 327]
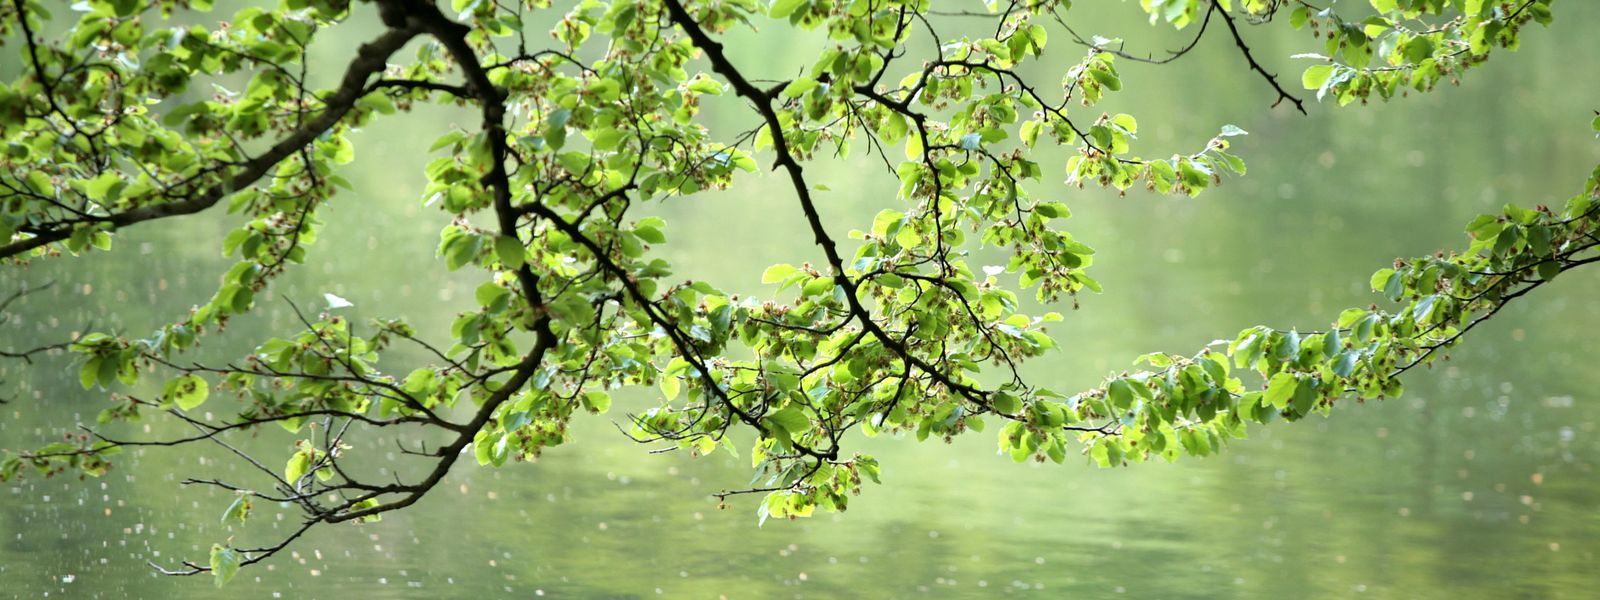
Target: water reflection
[1479, 482]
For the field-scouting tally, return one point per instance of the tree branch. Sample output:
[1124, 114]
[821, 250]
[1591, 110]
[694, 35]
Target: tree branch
[371, 58]
[1238, 39]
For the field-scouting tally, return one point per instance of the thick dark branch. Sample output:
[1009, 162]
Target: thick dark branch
[786, 160]
[410, 17]
[684, 345]
[420, 84]
[492, 102]
[371, 58]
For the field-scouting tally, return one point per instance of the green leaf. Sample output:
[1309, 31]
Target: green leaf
[1380, 279]
[799, 87]
[340, 151]
[109, 366]
[607, 90]
[446, 140]
[89, 373]
[670, 386]
[461, 249]
[492, 296]
[1281, 389]
[1029, 132]
[1304, 399]
[705, 85]
[597, 401]
[484, 445]
[1127, 122]
[792, 419]
[299, 464]
[1346, 363]
[239, 509]
[1298, 18]
[886, 219]
[1052, 210]
[817, 285]
[781, 9]
[914, 147]
[1004, 403]
[510, 251]
[1107, 79]
[778, 273]
[908, 237]
[650, 234]
[1315, 76]
[1549, 269]
[1120, 392]
[187, 391]
[99, 188]
[224, 564]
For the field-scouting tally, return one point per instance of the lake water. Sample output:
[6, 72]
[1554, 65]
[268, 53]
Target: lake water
[1478, 483]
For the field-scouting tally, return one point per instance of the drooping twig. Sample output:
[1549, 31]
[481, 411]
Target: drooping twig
[1238, 39]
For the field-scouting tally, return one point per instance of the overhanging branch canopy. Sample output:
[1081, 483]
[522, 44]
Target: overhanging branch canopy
[889, 334]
